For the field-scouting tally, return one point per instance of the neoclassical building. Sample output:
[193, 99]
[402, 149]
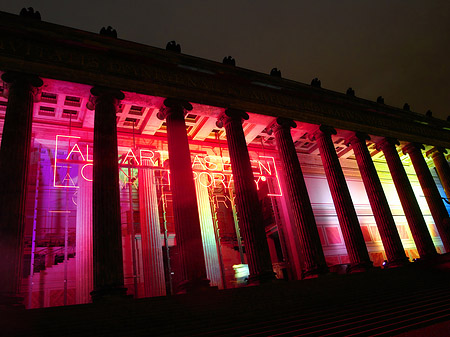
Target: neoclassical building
[129, 169]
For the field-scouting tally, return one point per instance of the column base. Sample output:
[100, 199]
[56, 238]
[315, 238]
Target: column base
[428, 257]
[359, 267]
[314, 273]
[396, 263]
[433, 260]
[262, 278]
[194, 286]
[11, 301]
[109, 294]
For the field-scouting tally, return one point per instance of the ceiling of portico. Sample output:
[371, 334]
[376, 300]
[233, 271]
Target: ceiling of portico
[62, 104]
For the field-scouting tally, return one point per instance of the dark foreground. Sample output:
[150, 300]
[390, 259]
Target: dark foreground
[411, 301]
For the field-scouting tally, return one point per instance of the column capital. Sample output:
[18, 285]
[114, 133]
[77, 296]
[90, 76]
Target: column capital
[412, 147]
[231, 115]
[357, 137]
[322, 131]
[282, 123]
[385, 141]
[98, 92]
[434, 151]
[173, 105]
[12, 76]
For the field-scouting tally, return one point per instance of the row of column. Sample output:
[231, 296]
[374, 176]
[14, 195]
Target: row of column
[107, 245]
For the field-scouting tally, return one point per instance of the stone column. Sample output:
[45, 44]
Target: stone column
[249, 210]
[380, 207]
[442, 168]
[107, 232]
[314, 262]
[185, 208]
[213, 268]
[14, 158]
[152, 255]
[413, 214]
[431, 193]
[348, 220]
[83, 258]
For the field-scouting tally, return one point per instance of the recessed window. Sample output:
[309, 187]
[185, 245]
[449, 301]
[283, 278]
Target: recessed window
[46, 111]
[48, 97]
[72, 101]
[3, 106]
[191, 118]
[136, 110]
[70, 113]
[131, 121]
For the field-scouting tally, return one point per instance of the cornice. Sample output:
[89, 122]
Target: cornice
[58, 52]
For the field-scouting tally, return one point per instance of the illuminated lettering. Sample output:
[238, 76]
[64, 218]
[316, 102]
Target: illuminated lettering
[209, 164]
[226, 166]
[55, 164]
[75, 149]
[257, 182]
[208, 177]
[132, 157]
[83, 173]
[87, 153]
[220, 199]
[161, 155]
[221, 181]
[211, 170]
[230, 181]
[147, 155]
[197, 161]
[263, 168]
[69, 180]
[271, 162]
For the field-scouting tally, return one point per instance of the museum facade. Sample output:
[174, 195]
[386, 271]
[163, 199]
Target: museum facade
[129, 169]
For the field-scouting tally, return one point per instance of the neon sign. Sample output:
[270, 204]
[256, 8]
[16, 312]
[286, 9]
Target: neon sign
[74, 159]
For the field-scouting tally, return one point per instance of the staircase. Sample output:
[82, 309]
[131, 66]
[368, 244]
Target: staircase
[380, 302]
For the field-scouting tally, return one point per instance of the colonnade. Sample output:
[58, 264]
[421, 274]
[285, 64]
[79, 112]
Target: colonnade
[107, 245]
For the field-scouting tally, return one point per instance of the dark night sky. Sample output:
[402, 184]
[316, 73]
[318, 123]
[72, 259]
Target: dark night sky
[399, 49]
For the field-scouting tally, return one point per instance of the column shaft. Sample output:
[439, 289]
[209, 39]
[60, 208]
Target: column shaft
[311, 248]
[152, 256]
[348, 220]
[249, 209]
[413, 214]
[14, 157]
[83, 258]
[392, 243]
[107, 233]
[185, 208]
[431, 193]
[213, 268]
